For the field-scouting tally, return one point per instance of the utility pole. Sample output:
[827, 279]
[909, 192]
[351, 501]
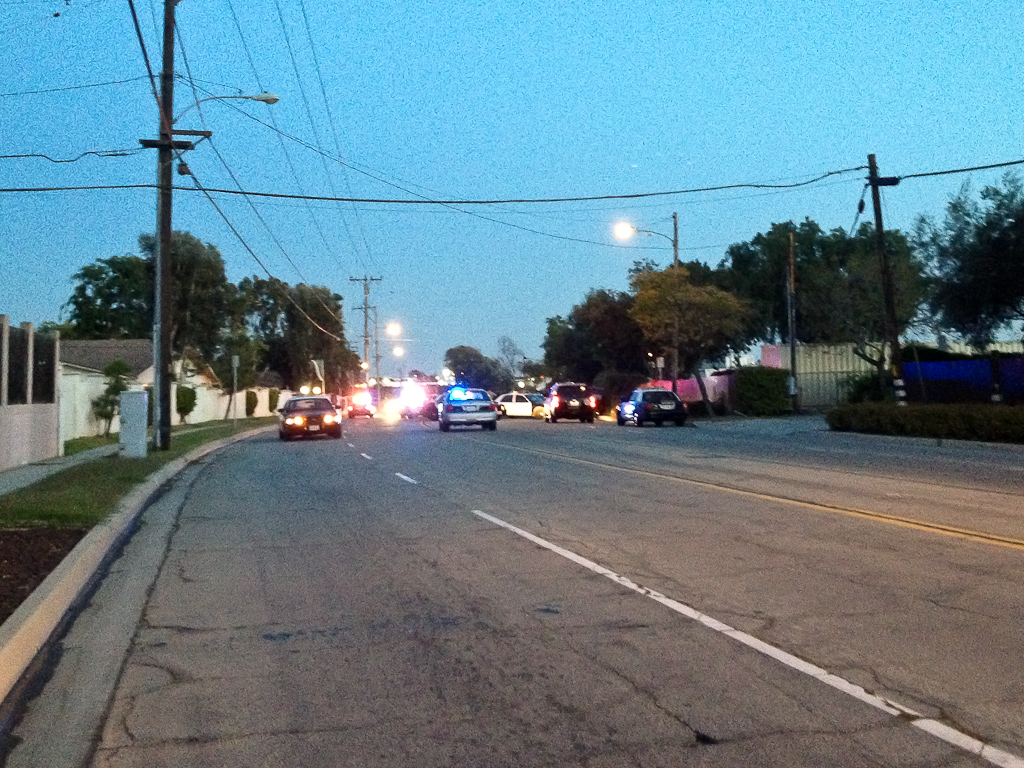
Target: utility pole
[892, 334]
[675, 319]
[366, 280]
[791, 313]
[162, 374]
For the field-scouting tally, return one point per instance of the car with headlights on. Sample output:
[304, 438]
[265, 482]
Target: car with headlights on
[569, 400]
[650, 405]
[308, 416]
[460, 406]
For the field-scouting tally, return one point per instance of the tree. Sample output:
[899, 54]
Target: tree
[705, 321]
[975, 257]
[473, 369]
[200, 293]
[838, 285]
[184, 402]
[599, 336]
[108, 404]
[510, 355]
[112, 299]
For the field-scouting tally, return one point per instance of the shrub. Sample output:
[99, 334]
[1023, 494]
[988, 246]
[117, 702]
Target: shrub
[251, 401]
[108, 405]
[185, 402]
[272, 397]
[617, 385]
[969, 421]
[866, 388]
[761, 391]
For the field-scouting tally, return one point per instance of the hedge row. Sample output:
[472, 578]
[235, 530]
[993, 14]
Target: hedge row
[988, 423]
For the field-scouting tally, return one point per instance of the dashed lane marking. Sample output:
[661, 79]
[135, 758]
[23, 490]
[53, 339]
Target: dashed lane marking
[935, 728]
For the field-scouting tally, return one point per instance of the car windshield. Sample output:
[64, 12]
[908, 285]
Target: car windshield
[570, 391]
[308, 405]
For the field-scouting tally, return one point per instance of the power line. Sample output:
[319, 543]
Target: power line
[73, 87]
[962, 170]
[97, 153]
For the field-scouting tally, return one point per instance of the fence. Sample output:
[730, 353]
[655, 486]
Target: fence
[824, 373]
[29, 393]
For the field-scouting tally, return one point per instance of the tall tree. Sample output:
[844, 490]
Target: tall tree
[200, 293]
[599, 336]
[705, 321]
[976, 257]
[112, 299]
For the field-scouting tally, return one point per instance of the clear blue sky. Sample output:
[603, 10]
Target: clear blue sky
[496, 100]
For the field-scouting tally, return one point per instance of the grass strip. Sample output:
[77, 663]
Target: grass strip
[83, 495]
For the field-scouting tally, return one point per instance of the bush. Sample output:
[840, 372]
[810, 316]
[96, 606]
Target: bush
[272, 397]
[866, 388]
[989, 423]
[185, 402]
[761, 391]
[251, 401]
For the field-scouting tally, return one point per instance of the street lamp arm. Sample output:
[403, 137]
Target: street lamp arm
[265, 98]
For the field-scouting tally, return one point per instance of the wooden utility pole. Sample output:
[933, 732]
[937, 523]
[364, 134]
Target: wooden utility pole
[892, 333]
[791, 314]
[366, 280]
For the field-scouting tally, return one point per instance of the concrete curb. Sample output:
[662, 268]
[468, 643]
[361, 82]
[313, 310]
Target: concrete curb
[40, 619]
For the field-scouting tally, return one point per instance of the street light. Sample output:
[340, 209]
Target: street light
[264, 98]
[166, 145]
[623, 230]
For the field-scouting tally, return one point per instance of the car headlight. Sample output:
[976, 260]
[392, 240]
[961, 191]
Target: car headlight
[328, 418]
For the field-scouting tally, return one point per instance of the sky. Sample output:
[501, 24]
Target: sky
[430, 102]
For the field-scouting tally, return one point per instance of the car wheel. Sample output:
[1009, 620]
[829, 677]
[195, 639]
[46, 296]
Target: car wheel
[337, 435]
[680, 422]
[283, 436]
[590, 419]
[619, 420]
[638, 421]
[491, 426]
[658, 422]
[443, 425]
[554, 419]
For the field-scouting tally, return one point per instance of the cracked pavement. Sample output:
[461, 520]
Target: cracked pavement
[307, 608]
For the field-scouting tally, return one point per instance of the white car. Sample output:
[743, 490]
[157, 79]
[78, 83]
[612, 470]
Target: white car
[460, 406]
[522, 404]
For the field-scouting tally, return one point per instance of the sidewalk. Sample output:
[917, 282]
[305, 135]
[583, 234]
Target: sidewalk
[28, 474]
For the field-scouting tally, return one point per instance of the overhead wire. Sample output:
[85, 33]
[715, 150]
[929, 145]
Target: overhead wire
[312, 124]
[337, 143]
[231, 173]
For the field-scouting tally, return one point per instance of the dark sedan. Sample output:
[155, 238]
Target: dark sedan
[649, 405]
[308, 417]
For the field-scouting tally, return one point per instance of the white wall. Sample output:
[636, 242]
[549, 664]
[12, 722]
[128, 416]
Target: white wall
[28, 433]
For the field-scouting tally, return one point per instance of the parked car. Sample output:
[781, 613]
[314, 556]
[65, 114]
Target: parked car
[308, 417]
[464, 407]
[520, 404]
[652, 405]
[569, 400]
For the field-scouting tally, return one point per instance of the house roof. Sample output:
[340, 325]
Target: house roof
[97, 354]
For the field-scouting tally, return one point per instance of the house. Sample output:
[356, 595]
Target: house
[82, 380]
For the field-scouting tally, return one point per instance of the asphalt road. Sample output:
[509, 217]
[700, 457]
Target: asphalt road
[760, 593]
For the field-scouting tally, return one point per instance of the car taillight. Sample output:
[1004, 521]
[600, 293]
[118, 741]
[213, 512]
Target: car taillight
[592, 401]
[449, 408]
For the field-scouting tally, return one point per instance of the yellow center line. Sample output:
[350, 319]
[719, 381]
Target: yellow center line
[903, 522]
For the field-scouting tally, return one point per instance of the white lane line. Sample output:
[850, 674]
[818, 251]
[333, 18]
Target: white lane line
[351, 445]
[406, 478]
[366, 456]
[935, 728]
